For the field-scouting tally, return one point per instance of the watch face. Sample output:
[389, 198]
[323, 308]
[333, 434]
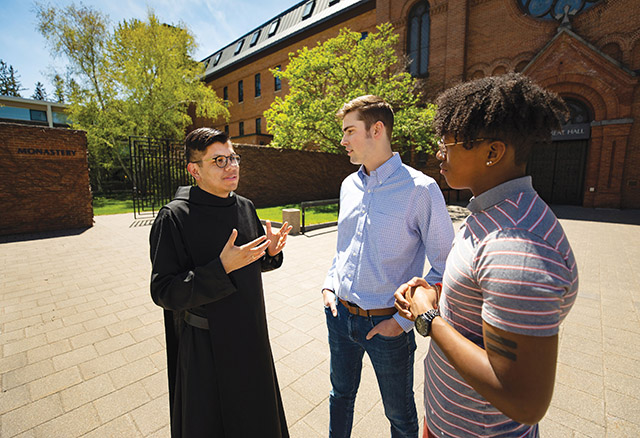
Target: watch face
[422, 326]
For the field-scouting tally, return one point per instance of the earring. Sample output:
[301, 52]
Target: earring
[489, 163]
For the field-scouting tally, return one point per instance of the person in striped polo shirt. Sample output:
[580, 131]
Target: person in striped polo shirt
[510, 278]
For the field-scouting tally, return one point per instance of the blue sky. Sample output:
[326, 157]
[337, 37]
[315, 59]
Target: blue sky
[214, 23]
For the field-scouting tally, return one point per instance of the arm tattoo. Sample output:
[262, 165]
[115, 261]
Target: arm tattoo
[499, 339]
[501, 351]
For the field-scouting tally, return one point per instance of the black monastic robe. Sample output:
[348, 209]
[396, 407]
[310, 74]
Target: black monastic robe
[222, 381]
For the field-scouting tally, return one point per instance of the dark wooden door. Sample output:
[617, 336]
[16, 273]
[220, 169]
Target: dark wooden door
[557, 170]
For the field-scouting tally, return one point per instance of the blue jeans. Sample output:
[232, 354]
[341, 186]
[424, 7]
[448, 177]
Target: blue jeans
[392, 360]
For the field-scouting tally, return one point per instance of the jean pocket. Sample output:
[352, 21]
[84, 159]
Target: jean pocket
[391, 338]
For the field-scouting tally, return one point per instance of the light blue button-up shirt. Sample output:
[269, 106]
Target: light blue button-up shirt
[388, 222]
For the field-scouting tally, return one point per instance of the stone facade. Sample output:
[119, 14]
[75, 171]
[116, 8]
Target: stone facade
[44, 179]
[595, 61]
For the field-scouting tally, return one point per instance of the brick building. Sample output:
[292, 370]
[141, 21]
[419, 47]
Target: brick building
[588, 51]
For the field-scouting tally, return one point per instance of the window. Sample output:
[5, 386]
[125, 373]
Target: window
[418, 39]
[225, 93]
[239, 46]
[579, 112]
[9, 112]
[257, 83]
[59, 118]
[226, 130]
[217, 58]
[38, 116]
[254, 38]
[240, 91]
[258, 125]
[277, 85]
[274, 27]
[555, 9]
[308, 9]
[241, 128]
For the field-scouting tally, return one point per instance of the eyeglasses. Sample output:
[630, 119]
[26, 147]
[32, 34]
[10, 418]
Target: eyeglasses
[443, 147]
[222, 160]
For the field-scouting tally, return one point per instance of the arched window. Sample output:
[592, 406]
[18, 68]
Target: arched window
[578, 110]
[418, 39]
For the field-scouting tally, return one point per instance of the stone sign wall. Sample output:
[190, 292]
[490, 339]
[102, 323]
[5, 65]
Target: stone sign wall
[44, 179]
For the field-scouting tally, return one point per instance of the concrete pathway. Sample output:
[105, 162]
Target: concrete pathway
[82, 345]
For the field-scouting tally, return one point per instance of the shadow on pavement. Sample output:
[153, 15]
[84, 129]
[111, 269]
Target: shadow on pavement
[42, 235]
[571, 212]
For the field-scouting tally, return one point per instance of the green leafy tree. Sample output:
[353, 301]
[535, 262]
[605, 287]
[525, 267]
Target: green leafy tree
[138, 78]
[323, 78]
[39, 93]
[9, 80]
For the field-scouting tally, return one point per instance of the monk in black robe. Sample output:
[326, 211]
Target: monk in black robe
[208, 249]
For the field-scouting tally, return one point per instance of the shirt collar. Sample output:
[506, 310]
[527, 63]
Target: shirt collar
[499, 193]
[196, 195]
[382, 173]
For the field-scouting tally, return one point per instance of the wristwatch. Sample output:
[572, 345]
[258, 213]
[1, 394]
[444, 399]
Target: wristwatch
[423, 322]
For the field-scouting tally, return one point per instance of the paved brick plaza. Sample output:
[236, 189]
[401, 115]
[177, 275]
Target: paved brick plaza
[82, 345]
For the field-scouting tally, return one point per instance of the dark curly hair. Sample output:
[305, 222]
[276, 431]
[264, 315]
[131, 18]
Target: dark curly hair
[508, 107]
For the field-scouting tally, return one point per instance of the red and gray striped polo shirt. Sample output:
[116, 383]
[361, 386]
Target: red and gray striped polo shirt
[511, 266]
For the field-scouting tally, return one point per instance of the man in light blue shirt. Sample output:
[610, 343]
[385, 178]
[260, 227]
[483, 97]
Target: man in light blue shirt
[391, 217]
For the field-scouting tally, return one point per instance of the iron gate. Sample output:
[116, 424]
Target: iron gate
[158, 167]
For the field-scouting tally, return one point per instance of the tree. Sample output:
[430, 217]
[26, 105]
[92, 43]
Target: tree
[58, 92]
[137, 79]
[9, 80]
[39, 93]
[323, 78]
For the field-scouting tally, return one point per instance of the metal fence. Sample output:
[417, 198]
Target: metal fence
[308, 204]
[158, 167]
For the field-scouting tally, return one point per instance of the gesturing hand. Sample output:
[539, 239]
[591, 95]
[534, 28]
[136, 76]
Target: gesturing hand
[277, 240]
[236, 257]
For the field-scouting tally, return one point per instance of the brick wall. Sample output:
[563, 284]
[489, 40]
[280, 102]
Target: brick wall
[44, 179]
[271, 176]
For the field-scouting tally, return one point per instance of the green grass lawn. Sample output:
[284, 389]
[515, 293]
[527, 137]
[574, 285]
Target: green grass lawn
[314, 215]
[114, 204]
[122, 203]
